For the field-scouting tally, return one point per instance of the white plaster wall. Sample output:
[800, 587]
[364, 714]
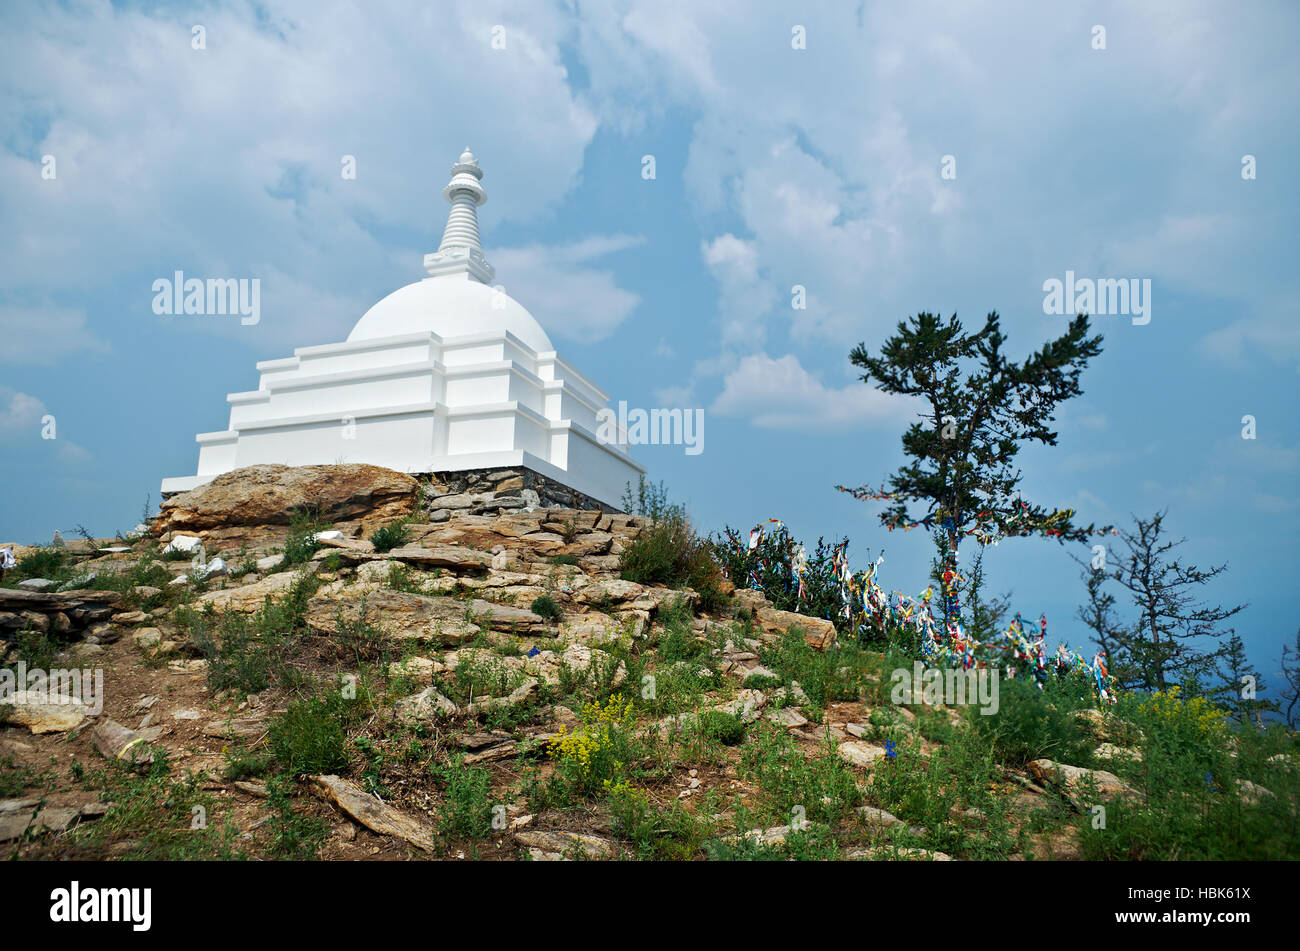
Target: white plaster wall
[609, 473]
[481, 432]
[217, 455]
[297, 417]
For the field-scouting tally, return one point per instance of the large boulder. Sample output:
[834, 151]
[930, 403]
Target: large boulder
[270, 494]
[443, 621]
[1078, 783]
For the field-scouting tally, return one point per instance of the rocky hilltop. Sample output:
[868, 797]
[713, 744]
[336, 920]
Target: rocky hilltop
[346, 662]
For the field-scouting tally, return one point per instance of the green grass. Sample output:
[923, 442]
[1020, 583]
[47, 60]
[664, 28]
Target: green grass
[247, 652]
[725, 728]
[390, 536]
[299, 545]
[309, 737]
[466, 810]
[544, 606]
[825, 676]
[295, 836]
[1033, 723]
[1187, 806]
[820, 787]
[41, 563]
[159, 816]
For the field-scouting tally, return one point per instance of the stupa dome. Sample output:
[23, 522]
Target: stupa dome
[450, 305]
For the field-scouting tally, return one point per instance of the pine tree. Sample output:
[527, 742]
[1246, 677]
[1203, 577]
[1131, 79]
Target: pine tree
[979, 408]
[1241, 683]
[1099, 615]
[1165, 644]
[1291, 692]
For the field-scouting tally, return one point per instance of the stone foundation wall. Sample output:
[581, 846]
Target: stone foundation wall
[446, 495]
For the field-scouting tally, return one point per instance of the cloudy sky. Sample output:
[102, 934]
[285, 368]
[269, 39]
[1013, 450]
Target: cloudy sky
[775, 166]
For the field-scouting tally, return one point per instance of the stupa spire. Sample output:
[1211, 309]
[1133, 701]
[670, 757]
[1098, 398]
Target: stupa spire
[460, 250]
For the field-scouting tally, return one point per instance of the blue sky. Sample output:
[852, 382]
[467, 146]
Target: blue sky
[774, 167]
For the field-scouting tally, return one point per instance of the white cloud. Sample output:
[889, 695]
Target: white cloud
[44, 333]
[1274, 337]
[226, 161]
[563, 291]
[22, 426]
[744, 297]
[20, 414]
[781, 394]
[825, 163]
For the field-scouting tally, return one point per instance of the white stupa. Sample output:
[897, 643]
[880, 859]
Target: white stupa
[444, 375]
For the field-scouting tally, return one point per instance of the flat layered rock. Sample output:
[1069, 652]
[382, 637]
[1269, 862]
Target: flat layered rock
[114, 741]
[14, 824]
[428, 704]
[562, 844]
[249, 597]
[612, 591]
[1075, 780]
[41, 713]
[907, 855]
[819, 633]
[444, 621]
[788, 717]
[859, 754]
[452, 557]
[271, 494]
[376, 816]
[74, 602]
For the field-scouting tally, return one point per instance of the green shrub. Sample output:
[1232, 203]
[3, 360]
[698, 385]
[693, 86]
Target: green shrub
[1034, 724]
[361, 637]
[545, 606]
[668, 552]
[466, 806]
[309, 737]
[825, 676]
[823, 785]
[393, 535]
[1189, 804]
[42, 563]
[929, 790]
[37, 648]
[726, 728]
[405, 578]
[679, 643]
[770, 568]
[242, 763]
[236, 656]
[294, 835]
[246, 651]
[300, 544]
[599, 751]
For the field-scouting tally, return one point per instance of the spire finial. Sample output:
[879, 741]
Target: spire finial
[460, 250]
